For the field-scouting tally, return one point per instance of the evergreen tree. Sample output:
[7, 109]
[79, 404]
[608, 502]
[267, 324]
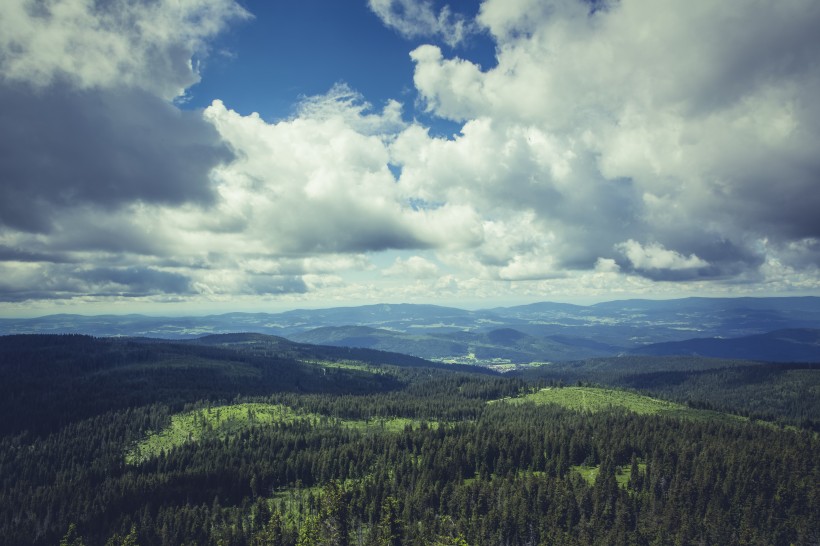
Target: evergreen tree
[309, 531]
[72, 537]
[390, 524]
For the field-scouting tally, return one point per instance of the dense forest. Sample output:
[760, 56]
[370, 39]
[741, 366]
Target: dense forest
[239, 440]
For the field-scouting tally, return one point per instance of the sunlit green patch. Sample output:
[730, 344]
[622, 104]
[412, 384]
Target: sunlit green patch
[622, 473]
[395, 424]
[344, 365]
[224, 421]
[589, 473]
[593, 400]
[206, 423]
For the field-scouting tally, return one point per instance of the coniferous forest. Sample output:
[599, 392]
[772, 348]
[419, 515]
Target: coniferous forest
[253, 440]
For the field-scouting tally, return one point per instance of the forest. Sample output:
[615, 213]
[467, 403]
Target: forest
[254, 440]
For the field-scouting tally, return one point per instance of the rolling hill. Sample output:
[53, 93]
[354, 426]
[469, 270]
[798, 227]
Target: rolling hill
[753, 328]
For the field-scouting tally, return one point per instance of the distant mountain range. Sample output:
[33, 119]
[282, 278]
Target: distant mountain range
[772, 329]
[801, 345]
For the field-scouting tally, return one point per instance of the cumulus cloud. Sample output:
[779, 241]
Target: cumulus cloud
[320, 183]
[143, 43]
[418, 18]
[689, 125]
[613, 145]
[606, 265]
[92, 148]
[655, 256]
[85, 88]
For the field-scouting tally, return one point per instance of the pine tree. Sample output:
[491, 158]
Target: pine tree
[390, 525]
[334, 515]
[72, 537]
[309, 531]
[128, 540]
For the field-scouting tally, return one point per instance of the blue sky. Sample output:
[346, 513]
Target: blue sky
[193, 156]
[294, 49]
[290, 50]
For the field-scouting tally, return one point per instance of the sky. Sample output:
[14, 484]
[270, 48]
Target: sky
[193, 156]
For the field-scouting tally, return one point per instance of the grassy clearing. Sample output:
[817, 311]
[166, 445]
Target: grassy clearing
[589, 473]
[206, 423]
[622, 473]
[594, 399]
[224, 421]
[344, 365]
[396, 424]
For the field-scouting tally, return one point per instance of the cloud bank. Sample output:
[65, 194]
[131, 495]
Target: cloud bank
[617, 148]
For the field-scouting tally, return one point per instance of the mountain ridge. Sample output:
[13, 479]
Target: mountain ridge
[536, 332]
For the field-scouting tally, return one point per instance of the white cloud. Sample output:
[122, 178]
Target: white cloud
[88, 122]
[606, 265]
[349, 106]
[133, 43]
[452, 88]
[514, 17]
[418, 18]
[606, 151]
[320, 183]
[655, 256]
[688, 124]
[309, 185]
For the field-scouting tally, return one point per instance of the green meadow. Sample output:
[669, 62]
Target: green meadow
[595, 399]
[622, 473]
[225, 421]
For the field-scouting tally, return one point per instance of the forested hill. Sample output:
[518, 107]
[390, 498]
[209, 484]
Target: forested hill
[248, 440]
[48, 380]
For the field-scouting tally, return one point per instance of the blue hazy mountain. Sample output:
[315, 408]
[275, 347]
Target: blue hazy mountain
[545, 331]
[797, 345]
